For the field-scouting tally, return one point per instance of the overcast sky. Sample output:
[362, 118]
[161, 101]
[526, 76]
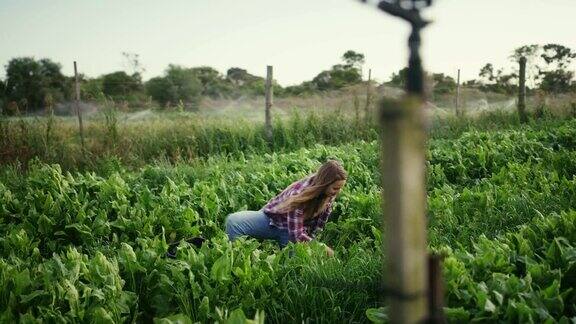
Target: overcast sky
[299, 38]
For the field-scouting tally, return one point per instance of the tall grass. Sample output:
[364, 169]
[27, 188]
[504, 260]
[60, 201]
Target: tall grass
[177, 137]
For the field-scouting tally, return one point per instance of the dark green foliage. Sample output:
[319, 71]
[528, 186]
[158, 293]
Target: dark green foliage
[2, 95]
[213, 83]
[443, 84]
[159, 89]
[399, 79]
[29, 82]
[547, 69]
[498, 81]
[557, 81]
[92, 90]
[353, 59]
[338, 77]
[240, 83]
[238, 76]
[558, 54]
[179, 84]
[343, 75]
[524, 276]
[119, 84]
[91, 247]
[305, 88]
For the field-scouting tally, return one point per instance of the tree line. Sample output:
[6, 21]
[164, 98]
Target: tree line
[31, 85]
[548, 71]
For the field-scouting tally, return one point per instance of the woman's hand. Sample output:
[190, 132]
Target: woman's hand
[329, 251]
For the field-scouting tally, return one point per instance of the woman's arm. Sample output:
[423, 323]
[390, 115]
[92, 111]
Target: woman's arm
[323, 218]
[296, 230]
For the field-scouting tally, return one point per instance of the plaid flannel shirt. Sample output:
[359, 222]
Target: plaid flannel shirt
[298, 229]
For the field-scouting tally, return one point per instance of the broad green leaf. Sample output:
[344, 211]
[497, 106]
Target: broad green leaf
[221, 269]
[174, 319]
[377, 315]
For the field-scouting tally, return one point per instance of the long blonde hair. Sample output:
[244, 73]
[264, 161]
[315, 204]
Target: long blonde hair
[314, 197]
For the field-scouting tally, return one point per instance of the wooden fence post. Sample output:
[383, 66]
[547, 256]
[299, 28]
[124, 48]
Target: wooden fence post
[459, 111]
[269, 94]
[367, 116]
[356, 103]
[522, 92]
[77, 104]
[404, 195]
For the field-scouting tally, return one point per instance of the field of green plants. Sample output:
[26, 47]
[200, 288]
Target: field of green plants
[91, 246]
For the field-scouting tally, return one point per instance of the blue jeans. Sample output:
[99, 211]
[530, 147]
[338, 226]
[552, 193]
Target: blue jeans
[254, 224]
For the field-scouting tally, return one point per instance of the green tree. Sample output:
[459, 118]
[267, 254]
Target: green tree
[239, 77]
[2, 94]
[556, 78]
[557, 81]
[341, 75]
[214, 85]
[399, 79]
[133, 64]
[443, 83]
[92, 89]
[55, 85]
[178, 84]
[305, 88]
[29, 82]
[471, 83]
[487, 72]
[323, 81]
[498, 81]
[246, 84]
[337, 77]
[533, 60]
[161, 90]
[558, 55]
[547, 67]
[353, 59]
[119, 84]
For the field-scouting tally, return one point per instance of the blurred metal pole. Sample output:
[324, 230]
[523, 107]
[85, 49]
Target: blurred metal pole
[404, 127]
[404, 206]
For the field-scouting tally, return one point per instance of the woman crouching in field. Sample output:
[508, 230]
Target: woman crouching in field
[296, 213]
